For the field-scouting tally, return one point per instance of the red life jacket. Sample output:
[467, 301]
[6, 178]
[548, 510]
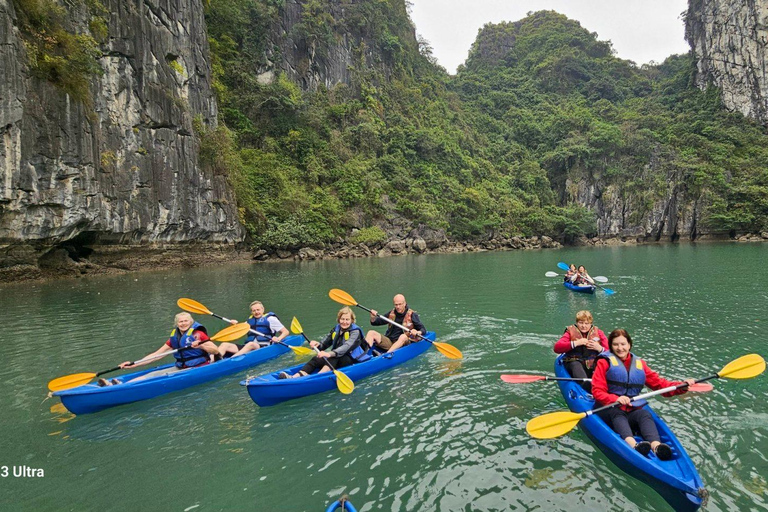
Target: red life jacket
[407, 322]
[582, 353]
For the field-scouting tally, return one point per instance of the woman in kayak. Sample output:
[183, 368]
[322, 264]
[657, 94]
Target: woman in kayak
[347, 347]
[268, 329]
[620, 375]
[581, 343]
[582, 278]
[187, 333]
[571, 274]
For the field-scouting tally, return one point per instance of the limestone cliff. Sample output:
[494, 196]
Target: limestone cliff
[121, 166]
[729, 39]
[324, 43]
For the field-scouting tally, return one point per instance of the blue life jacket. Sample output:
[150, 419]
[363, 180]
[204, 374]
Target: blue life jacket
[623, 382]
[262, 326]
[357, 352]
[193, 356]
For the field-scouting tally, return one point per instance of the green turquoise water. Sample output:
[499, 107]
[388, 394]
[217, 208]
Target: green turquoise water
[432, 435]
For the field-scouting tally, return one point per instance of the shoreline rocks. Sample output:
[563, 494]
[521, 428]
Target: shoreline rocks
[120, 259]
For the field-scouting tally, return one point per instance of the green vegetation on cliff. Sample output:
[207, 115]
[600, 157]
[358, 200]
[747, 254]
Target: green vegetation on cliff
[540, 106]
[585, 115]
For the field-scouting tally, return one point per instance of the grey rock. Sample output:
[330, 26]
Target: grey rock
[125, 169]
[419, 245]
[728, 39]
[396, 246]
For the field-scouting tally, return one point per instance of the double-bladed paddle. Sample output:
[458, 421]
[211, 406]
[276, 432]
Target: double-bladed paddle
[701, 387]
[343, 297]
[195, 307]
[556, 424]
[608, 291]
[599, 279]
[343, 382]
[230, 333]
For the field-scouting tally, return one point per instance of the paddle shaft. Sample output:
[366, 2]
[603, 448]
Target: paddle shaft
[404, 328]
[318, 351]
[144, 360]
[652, 393]
[253, 331]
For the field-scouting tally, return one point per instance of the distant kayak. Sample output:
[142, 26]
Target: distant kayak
[676, 480]
[93, 398]
[580, 289]
[268, 389]
[341, 506]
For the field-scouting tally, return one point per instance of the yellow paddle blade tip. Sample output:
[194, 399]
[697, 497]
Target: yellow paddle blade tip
[342, 297]
[447, 350]
[70, 381]
[232, 332]
[192, 306]
[344, 383]
[554, 424]
[745, 367]
[296, 326]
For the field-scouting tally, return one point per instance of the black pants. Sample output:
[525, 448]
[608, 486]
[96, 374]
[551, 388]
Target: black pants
[627, 423]
[316, 363]
[578, 370]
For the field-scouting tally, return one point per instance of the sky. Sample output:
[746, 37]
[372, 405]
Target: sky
[640, 30]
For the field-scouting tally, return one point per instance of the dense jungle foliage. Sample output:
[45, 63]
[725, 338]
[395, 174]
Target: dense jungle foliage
[492, 151]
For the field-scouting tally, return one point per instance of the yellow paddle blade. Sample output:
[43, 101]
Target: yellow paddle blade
[232, 332]
[193, 306]
[344, 383]
[302, 351]
[554, 424]
[744, 367]
[342, 297]
[447, 350]
[70, 381]
[296, 326]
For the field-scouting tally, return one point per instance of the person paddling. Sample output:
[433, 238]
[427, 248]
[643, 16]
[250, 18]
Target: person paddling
[394, 337]
[268, 326]
[581, 343]
[187, 333]
[346, 343]
[620, 375]
[582, 278]
[570, 274]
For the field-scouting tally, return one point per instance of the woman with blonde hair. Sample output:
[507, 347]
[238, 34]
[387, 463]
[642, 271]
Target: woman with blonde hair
[346, 343]
[581, 343]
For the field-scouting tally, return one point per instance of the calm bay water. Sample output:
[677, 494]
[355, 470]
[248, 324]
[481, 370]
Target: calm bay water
[434, 434]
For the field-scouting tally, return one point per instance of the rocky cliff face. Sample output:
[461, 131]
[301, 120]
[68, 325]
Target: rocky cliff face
[675, 214]
[313, 54]
[729, 39]
[123, 169]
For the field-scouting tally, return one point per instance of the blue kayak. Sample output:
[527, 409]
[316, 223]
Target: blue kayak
[342, 505]
[580, 289]
[93, 398]
[676, 480]
[269, 390]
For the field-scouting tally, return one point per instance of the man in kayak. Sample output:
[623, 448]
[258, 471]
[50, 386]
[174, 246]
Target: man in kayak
[268, 326]
[395, 338]
[346, 343]
[620, 375]
[581, 343]
[189, 335]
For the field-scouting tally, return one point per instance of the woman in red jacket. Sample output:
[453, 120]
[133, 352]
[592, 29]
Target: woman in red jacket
[581, 343]
[620, 375]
